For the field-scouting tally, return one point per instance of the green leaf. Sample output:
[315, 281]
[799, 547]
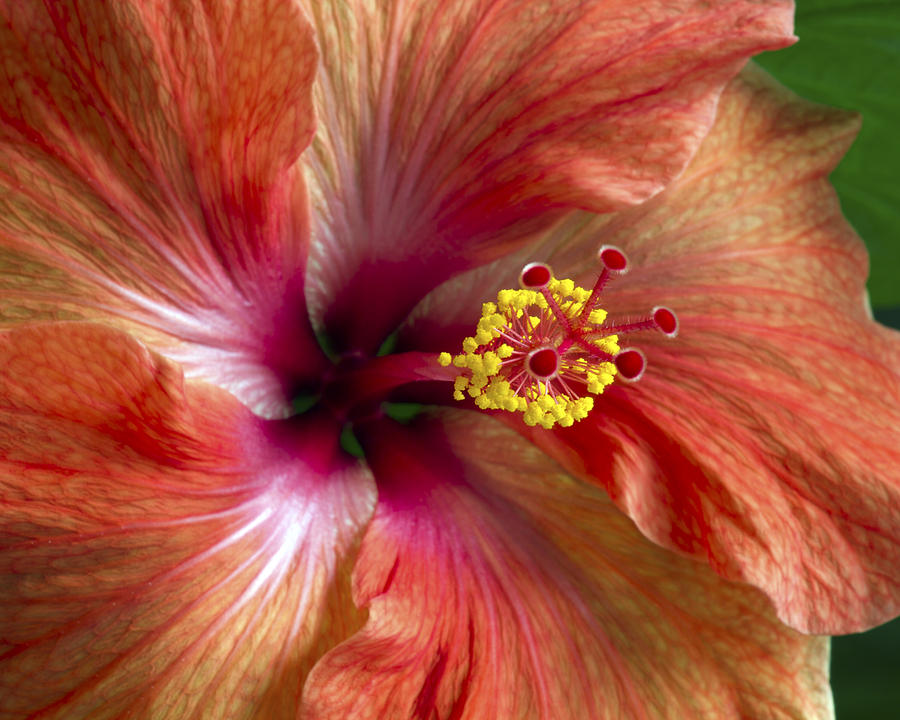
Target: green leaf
[848, 55]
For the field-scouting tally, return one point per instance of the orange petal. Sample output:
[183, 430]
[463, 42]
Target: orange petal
[453, 129]
[146, 153]
[499, 587]
[159, 556]
[765, 436]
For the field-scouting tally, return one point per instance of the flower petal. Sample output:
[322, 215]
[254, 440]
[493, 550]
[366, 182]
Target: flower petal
[146, 153]
[159, 555]
[497, 586]
[765, 436]
[453, 130]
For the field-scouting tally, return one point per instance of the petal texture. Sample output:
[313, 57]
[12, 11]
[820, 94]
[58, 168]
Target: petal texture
[765, 436]
[497, 586]
[453, 129]
[145, 178]
[159, 555]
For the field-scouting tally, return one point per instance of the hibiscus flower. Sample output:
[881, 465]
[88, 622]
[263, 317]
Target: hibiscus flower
[209, 300]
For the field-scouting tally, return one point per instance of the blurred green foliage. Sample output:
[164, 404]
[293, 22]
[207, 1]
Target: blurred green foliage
[865, 674]
[848, 55]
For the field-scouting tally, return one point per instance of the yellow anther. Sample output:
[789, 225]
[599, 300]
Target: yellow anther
[547, 422]
[581, 295]
[444, 359]
[491, 363]
[608, 344]
[504, 299]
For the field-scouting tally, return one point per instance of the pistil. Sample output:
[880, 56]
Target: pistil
[546, 348]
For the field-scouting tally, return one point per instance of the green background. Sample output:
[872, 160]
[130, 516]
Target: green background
[848, 55]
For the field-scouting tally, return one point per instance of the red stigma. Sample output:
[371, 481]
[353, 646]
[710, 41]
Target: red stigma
[666, 321]
[535, 276]
[543, 363]
[631, 364]
[613, 259]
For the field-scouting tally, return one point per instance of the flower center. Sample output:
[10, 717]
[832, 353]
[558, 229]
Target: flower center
[546, 348]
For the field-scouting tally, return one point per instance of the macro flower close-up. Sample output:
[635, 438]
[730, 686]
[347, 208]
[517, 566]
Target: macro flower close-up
[430, 359]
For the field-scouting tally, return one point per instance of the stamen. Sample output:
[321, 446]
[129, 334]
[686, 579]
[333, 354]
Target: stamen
[545, 349]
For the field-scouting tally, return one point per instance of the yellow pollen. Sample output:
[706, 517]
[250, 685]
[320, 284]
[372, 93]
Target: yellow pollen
[494, 365]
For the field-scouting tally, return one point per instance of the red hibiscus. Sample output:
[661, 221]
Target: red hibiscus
[193, 306]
